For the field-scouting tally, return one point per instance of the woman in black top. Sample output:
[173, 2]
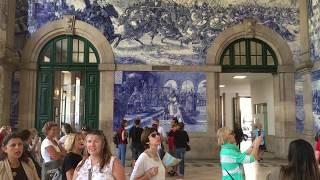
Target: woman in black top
[181, 140]
[74, 145]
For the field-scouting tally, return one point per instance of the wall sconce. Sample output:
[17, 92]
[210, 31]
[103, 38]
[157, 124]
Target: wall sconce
[56, 92]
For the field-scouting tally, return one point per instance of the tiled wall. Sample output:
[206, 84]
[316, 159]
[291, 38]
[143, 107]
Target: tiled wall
[159, 32]
[316, 99]
[314, 28]
[299, 102]
[161, 95]
[166, 33]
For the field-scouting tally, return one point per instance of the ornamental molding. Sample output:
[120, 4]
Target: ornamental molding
[69, 25]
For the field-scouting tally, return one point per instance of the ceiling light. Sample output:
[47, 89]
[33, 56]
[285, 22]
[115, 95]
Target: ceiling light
[239, 77]
[221, 85]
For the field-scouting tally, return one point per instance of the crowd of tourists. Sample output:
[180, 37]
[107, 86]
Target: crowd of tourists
[73, 155]
[150, 145]
[87, 155]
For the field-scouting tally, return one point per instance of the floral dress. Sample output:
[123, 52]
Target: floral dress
[96, 174]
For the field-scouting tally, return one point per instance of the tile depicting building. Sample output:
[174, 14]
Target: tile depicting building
[161, 95]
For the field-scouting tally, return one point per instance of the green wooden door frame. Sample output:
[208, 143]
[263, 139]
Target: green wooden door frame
[44, 104]
[248, 55]
[68, 53]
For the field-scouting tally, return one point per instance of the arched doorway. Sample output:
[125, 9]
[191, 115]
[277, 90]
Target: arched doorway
[255, 61]
[68, 82]
[95, 45]
[282, 79]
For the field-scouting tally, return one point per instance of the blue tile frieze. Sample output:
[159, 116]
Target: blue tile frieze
[166, 32]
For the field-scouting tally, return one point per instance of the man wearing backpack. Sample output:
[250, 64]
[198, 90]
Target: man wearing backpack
[135, 139]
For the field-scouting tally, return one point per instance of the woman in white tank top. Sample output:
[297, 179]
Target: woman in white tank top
[50, 149]
[98, 162]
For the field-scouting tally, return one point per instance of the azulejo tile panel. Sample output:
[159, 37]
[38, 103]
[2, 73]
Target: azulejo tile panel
[161, 95]
[316, 99]
[300, 116]
[168, 32]
[314, 28]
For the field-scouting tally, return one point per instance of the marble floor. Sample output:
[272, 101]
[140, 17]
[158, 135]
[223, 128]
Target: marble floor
[210, 169]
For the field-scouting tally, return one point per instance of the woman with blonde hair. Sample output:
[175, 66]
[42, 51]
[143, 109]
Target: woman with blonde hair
[98, 162]
[231, 158]
[74, 145]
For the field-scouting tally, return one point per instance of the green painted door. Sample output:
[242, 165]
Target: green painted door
[44, 98]
[68, 83]
[92, 99]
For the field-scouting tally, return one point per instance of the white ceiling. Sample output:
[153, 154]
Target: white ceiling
[241, 86]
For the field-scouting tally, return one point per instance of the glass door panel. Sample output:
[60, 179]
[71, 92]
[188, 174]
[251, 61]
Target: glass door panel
[69, 98]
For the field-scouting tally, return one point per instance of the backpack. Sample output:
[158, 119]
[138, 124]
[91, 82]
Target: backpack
[116, 139]
[135, 134]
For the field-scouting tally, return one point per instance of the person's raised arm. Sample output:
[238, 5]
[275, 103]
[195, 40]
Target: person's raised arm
[255, 147]
[54, 155]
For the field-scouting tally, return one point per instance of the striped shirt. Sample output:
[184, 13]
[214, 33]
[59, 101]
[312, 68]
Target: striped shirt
[232, 160]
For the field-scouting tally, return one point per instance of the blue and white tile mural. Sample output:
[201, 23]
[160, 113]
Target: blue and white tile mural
[314, 28]
[299, 102]
[316, 99]
[168, 32]
[161, 95]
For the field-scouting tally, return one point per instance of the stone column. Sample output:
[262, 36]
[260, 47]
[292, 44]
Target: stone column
[285, 117]
[5, 93]
[8, 59]
[304, 67]
[307, 103]
[106, 101]
[28, 95]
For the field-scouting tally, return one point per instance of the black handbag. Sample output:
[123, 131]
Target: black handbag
[188, 148]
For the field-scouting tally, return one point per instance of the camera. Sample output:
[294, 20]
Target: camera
[259, 132]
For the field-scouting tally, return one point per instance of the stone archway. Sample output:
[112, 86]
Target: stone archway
[283, 81]
[66, 26]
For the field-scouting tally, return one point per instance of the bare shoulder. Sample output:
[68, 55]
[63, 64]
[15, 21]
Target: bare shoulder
[118, 170]
[117, 163]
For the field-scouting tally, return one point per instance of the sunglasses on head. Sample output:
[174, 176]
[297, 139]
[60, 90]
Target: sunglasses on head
[154, 134]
